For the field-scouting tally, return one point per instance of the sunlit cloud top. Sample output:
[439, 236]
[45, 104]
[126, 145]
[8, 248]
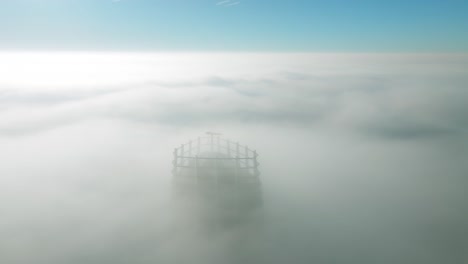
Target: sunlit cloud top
[384, 95]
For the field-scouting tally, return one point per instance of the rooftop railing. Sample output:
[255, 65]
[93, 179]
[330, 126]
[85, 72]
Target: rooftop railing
[214, 151]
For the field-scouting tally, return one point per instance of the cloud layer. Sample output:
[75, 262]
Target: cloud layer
[384, 95]
[363, 156]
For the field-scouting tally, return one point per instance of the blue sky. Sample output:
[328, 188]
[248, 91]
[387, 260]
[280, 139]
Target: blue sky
[242, 25]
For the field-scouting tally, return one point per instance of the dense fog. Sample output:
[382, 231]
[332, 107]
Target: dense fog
[363, 156]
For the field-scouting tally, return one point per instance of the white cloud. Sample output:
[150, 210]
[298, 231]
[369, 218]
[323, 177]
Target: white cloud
[349, 144]
[223, 2]
[355, 92]
[233, 4]
[227, 3]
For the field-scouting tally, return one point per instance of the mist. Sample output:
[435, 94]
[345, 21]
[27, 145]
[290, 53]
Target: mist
[362, 156]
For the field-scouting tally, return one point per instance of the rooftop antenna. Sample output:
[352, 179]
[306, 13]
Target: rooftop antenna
[212, 134]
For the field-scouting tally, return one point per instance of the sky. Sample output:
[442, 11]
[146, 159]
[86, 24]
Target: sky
[244, 25]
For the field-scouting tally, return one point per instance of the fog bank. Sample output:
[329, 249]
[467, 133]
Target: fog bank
[363, 156]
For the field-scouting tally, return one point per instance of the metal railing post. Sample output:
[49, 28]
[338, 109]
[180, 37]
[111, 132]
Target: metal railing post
[182, 153]
[255, 163]
[197, 173]
[174, 162]
[247, 159]
[190, 148]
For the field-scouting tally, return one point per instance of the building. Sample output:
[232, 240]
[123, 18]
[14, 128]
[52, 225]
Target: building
[217, 182]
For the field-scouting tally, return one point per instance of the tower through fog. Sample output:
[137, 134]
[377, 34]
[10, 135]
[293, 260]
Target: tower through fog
[217, 181]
